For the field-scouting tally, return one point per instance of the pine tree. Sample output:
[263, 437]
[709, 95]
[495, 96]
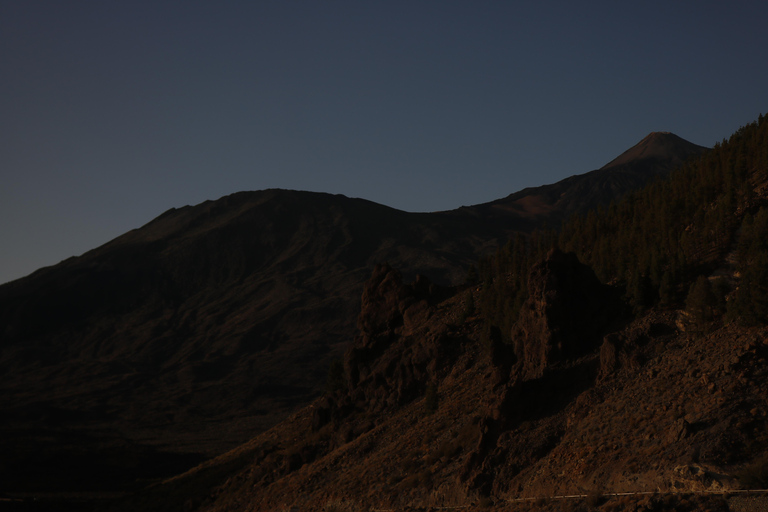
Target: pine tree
[750, 305]
[700, 303]
[336, 377]
[666, 290]
[431, 398]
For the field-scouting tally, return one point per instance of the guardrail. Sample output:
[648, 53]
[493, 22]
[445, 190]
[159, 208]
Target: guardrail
[583, 496]
[638, 493]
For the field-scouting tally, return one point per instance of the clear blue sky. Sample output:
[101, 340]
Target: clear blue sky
[113, 112]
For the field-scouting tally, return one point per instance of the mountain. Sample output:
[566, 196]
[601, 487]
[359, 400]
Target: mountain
[181, 339]
[642, 409]
[650, 159]
[176, 341]
[591, 400]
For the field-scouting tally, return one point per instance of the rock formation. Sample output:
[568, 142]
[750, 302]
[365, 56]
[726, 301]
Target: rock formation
[565, 315]
[391, 362]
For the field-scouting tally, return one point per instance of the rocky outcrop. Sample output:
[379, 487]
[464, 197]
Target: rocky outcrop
[398, 350]
[390, 313]
[698, 478]
[565, 318]
[565, 315]
[621, 349]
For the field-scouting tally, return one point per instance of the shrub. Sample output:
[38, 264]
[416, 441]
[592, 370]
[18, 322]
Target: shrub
[336, 377]
[755, 475]
[431, 398]
[469, 307]
[700, 303]
[595, 499]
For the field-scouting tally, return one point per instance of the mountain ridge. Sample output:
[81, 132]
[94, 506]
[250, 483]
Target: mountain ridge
[653, 157]
[217, 318]
[593, 396]
[657, 145]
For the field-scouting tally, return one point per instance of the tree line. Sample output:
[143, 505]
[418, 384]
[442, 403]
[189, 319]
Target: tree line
[661, 244]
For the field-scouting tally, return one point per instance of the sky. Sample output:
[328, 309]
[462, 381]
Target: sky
[113, 112]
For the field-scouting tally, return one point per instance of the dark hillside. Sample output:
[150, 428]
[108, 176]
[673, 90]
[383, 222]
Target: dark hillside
[651, 158]
[646, 408]
[185, 337]
[660, 239]
[207, 324]
[583, 391]
[656, 242]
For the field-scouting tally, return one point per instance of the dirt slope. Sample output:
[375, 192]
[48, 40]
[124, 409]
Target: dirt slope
[642, 406]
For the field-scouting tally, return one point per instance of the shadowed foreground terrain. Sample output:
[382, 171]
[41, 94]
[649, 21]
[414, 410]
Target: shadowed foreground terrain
[647, 407]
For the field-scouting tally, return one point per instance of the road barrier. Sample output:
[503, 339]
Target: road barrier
[583, 496]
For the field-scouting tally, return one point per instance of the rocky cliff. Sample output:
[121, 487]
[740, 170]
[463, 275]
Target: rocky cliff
[598, 403]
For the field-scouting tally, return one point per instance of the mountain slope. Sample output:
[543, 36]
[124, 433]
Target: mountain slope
[593, 396]
[204, 326]
[651, 158]
[653, 409]
[179, 340]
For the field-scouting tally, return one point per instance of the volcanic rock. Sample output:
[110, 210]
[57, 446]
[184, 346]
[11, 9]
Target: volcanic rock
[566, 312]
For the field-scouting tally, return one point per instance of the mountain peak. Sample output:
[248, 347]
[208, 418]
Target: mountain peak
[658, 146]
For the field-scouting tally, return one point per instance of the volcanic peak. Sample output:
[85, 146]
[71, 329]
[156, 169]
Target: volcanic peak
[657, 146]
